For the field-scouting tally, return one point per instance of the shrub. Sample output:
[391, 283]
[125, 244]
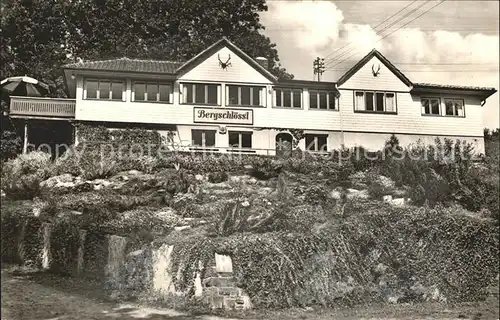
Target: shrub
[178, 181]
[378, 185]
[139, 136]
[96, 208]
[87, 163]
[21, 176]
[217, 177]
[232, 219]
[266, 169]
[480, 189]
[145, 164]
[14, 214]
[94, 166]
[64, 242]
[10, 145]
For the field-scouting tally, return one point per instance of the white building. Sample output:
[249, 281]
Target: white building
[224, 100]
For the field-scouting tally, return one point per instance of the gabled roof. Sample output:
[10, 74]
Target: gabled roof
[128, 65]
[224, 42]
[365, 59]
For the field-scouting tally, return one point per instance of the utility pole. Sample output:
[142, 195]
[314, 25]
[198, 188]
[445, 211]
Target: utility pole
[319, 67]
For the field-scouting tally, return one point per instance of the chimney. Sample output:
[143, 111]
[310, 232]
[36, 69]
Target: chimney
[263, 62]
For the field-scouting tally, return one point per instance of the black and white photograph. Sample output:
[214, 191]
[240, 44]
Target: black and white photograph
[249, 159]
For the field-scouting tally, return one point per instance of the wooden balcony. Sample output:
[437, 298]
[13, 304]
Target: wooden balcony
[24, 107]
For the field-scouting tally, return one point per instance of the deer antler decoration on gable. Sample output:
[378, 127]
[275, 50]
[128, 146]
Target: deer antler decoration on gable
[375, 72]
[224, 65]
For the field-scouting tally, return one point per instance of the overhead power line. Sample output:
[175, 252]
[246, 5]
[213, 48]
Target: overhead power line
[335, 51]
[330, 61]
[385, 36]
[420, 70]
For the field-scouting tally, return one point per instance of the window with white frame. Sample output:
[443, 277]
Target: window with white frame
[431, 106]
[454, 107]
[240, 139]
[322, 100]
[288, 98]
[104, 89]
[203, 138]
[200, 93]
[151, 92]
[245, 95]
[375, 101]
[316, 142]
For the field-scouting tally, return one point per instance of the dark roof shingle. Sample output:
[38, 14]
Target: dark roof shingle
[447, 86]
[130, 65]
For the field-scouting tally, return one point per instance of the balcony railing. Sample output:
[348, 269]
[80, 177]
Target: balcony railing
[42, 107]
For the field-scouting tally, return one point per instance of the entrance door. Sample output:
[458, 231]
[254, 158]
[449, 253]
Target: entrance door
[284, 145]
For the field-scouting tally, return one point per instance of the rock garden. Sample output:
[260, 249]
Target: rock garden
[215, 231]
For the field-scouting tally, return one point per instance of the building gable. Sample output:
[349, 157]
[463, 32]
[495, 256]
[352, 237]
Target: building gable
[375, 72]
[241, 68]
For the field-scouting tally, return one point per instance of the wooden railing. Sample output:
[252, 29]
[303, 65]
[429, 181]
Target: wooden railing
[43, 107]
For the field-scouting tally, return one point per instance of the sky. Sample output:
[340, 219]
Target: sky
[455, 42]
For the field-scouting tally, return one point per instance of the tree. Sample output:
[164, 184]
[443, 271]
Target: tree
[42, 35]
[33, 40]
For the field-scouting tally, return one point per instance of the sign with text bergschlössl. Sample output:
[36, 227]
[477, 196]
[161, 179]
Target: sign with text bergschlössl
[223, 115]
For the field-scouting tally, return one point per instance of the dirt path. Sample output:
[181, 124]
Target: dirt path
[41, 296]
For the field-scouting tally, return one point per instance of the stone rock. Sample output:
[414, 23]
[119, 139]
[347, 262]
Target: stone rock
[52, 182]
[335, 195]
[97, 187]
[38, 206]
[2, 193]
[386, 182]
[134, 172]
[135, 253]
[221, 185]
[381, 268]
[199, 177]
[65, 185]
[168, 216]
[68, 213]
[358, 180]
[265, 191]
[387, 198]
[398, 202]
[248, 167]
[181, 228]
[183, 199]
[360, 194]
[245, 204]
[124, 178]
[393, 299]
[237, 179]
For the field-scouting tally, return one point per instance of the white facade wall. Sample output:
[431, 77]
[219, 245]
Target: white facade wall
[343, 126]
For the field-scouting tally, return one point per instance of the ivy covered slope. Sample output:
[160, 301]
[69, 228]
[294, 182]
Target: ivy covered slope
[300, 231]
